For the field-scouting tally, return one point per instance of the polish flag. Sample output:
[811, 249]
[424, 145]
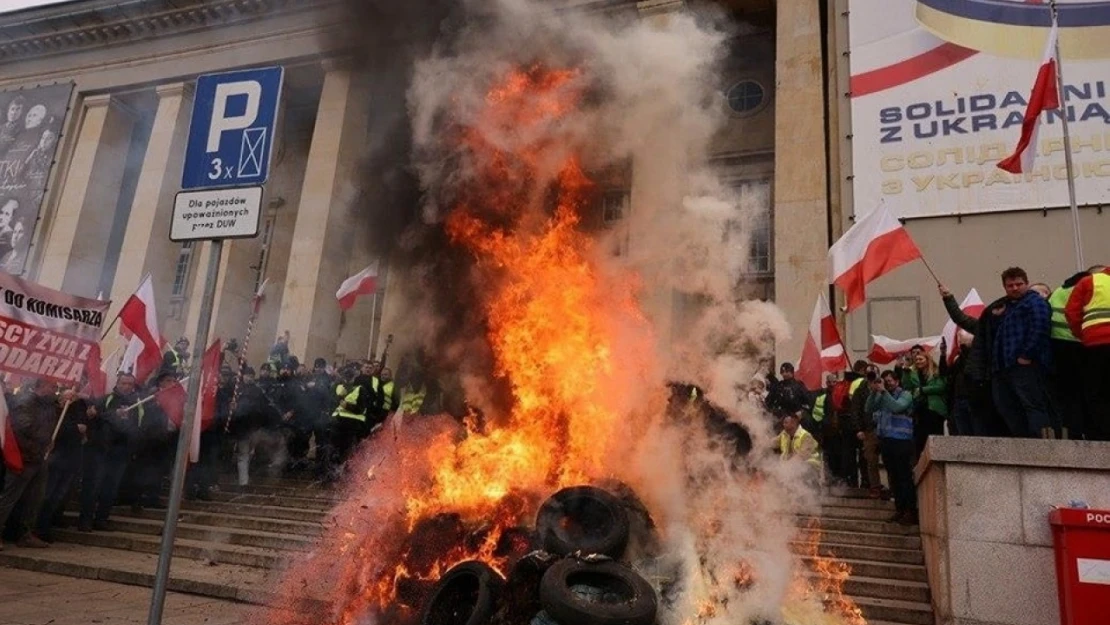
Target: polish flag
[1045, 97]
[13, 459]
[206, 405]
[886, 350]
[873, 247]
[171, 400]
[972, 305]
[823, 351]
[139, 323]
[364, 282]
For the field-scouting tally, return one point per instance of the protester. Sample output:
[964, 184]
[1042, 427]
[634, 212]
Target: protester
[891, 408]
[1069, 398]
[203, 476]
[113, 431]
[254, 425]
[1088, 315]
[822, 405]
[154, 451]
[960, 422]
[868, 440]
[64, 463]
[839, 434]
[788, 395]
[1021, 359]
[929, 390]
[175, 361]
[796, 443]
[33, 421]
[321, 401]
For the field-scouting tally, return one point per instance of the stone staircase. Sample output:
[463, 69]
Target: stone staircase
[229, 547]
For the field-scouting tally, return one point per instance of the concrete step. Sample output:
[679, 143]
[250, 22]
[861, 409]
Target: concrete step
[895, 611]
[856, 502]
[890, 541]
[208, 533]
[287, 501]
[224, 581]
[199, 550]
[305, 529]
[305, 492]
[884, 570]
[257, 510]
[868, 526]
[876, 588]
[856, 513]
[862, 552]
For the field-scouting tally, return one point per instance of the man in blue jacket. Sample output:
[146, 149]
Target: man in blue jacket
[891, 407]
[1022, 358]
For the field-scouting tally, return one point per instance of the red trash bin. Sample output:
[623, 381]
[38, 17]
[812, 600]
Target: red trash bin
[1082, 541]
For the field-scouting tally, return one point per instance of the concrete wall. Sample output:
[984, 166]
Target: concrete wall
[984, 506]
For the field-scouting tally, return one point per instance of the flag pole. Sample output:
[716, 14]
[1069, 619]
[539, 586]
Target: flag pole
[1076, 237]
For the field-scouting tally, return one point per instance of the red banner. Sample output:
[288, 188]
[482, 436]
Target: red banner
[47, 333]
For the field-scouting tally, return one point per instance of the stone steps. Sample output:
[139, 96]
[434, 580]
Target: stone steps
[202, 550]
[885, 570]
[208, 533]
[894, 611]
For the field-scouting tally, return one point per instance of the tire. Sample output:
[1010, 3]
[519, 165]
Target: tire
[465, 595]
[583, 519]
[619, 596]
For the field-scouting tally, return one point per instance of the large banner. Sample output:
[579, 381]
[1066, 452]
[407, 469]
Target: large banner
[32, 121]
[938, 89]
[47, 333]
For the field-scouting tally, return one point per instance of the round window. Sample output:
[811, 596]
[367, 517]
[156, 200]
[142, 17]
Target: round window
[746, 97]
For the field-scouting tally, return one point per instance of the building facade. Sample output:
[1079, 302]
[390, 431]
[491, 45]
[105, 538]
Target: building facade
[105, 210]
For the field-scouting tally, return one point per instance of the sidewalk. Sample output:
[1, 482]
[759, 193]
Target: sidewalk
[29, 598]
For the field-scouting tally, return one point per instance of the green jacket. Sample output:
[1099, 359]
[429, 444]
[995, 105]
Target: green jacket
[931, 393]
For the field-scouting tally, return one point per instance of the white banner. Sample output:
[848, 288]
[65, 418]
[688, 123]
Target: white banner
[939, 88]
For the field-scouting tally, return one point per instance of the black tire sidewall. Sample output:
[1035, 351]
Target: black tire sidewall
[566, 608]
[612, 544]
[490, 585]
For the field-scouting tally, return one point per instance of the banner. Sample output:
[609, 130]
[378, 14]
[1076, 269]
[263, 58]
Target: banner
[32, 122]
[938, 89]
[47, 333]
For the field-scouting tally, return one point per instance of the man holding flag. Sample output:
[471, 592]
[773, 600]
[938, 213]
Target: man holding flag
[32, 423]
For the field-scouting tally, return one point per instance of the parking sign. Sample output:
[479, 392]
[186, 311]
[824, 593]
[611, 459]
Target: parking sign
[232, 129]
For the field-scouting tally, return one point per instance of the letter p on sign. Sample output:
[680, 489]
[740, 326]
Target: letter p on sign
[221, 122]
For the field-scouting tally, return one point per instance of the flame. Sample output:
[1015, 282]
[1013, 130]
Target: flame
[827, 586]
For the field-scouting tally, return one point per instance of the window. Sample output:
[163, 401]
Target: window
[614, 206]
[755, 211]
[746, 97]
[181, 271]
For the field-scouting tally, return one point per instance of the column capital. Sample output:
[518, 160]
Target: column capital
[183, 89]
[94, 101]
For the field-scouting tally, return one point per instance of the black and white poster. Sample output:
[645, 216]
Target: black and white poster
[31, 124]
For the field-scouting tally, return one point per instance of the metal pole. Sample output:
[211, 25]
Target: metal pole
[188, 422]
[1079, 264]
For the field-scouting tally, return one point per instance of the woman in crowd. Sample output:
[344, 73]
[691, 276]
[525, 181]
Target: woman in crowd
[929, 389]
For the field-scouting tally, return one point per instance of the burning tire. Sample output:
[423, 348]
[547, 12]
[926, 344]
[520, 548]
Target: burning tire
[583, 519]
[597, 593]
[465, 595]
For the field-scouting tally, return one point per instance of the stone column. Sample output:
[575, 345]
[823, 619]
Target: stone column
[321, 253]
[800, 194]
[73, 255]
[146, 244]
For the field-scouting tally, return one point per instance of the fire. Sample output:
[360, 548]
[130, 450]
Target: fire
[827, 586]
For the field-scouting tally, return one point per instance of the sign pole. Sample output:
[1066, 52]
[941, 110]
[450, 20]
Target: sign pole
[1076, 237]
[188, 422]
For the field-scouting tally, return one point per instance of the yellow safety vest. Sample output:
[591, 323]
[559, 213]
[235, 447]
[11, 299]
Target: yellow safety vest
[412, 400]
[1059, 301]
[348, 398]
[819, 407]
[1097, 311]
[789, 446]
[387, 392]
[855, 386]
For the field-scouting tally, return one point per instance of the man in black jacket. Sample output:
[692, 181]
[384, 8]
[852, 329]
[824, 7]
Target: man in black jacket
[985, 419]
[64, 463]
[33, 421]
[788, 395]
[113, 432]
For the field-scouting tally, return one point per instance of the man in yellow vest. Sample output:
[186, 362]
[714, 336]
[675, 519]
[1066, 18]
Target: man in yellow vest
[1068, 395]
[795, 443]
[1088, 315]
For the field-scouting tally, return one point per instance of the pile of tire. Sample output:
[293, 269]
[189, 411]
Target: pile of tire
[579, 576]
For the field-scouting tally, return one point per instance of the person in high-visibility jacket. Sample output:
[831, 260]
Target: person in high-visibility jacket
[796, 443]
[1088, 315]
[357, 402]
[1068, 395]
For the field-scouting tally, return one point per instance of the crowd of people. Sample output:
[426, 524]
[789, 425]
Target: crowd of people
[282, 419]
[1035, 363]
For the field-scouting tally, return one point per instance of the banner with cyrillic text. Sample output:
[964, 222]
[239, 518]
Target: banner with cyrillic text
[938, 91]
[47, 333]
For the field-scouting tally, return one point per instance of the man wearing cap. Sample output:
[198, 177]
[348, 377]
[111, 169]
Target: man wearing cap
[175, 361]
[788, 395]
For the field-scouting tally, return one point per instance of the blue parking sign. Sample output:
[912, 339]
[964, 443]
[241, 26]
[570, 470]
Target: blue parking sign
[232, 129]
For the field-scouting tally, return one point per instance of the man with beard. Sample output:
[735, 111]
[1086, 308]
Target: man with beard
[1022, 359]
[113, 430]
[32, 421]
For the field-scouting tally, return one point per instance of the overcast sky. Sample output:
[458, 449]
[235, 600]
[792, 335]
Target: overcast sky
[15, 5]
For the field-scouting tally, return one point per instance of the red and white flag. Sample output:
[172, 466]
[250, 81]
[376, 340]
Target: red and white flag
[972, 305]
[364, 282]
[885, 350]
[206, 404]
[823, 351]
[259, 297]
[171, 399]
[1045, 97]
[139, 323]
[13, 459]
[873, 247]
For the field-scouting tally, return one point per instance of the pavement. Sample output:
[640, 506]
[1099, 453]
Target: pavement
[33, 598]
